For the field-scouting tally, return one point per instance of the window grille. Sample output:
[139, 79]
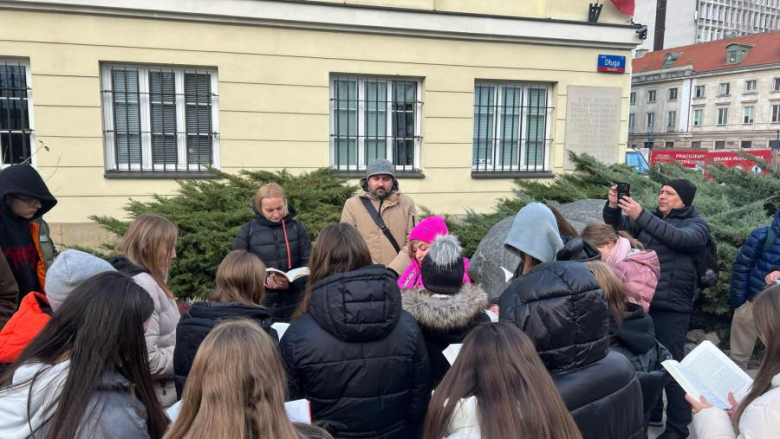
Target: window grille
[511, 127]
[374, 118]
[17, 140]
[160, 119]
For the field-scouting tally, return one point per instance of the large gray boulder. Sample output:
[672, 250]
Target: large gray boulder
[491, 256]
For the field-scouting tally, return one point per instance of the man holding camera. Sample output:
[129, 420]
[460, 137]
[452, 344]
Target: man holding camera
[677, 234]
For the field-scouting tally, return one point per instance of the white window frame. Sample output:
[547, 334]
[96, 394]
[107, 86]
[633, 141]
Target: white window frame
[33, 160]
[748, 115]
[676, 92]
[775, 113]
[725, 85]
[144, 105]
[653, 94]
[703, 90]
[497, 98]
[724, 112]
[671, 117]
[650, 120]
[748, 88]
[361, 108]
[698, 118]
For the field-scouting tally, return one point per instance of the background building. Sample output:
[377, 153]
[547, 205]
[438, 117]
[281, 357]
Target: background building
[684, 22]
[114, 99]
[721, 94]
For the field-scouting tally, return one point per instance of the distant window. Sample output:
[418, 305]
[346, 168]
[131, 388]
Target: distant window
[723, 116]
[777, 84]
[696, 144]
[632, 97]
[651, 96]
[747, 115]
[775, 113]
[698, 117]
[746, 144]
[700, 91]
[649, 145]
[720, 144]
[724, 88]
[750, 86]
[631, 121]
[673, 94]
[670, 144]
[650, 120]
[670, 118]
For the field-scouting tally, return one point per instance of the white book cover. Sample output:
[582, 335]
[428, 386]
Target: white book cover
[708, 371]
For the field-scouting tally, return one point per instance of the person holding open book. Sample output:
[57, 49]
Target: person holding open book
[758, 414]
[282, 243]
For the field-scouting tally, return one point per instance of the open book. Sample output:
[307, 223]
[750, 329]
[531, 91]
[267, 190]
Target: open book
[291, 275]
[708, 371]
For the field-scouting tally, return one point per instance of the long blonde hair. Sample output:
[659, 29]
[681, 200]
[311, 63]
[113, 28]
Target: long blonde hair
[149, 243]
[614, 290]
[236, 388]
[766, 315]
[240, 278]
[270, 190]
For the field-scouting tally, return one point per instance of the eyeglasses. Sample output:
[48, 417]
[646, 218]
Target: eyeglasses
[31, 201]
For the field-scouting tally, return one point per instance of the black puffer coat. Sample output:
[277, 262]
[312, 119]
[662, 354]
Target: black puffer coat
[563, 310]
[269, 241]
[359, 358]
[446, 319]
[635, 339]
[199, 321]
[676, 239]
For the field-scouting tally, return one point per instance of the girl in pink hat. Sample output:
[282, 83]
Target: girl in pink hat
[420, 239]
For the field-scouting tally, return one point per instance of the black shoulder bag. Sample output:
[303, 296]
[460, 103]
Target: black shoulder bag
[380, 223]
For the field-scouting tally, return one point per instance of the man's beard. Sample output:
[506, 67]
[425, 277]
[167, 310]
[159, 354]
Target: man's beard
[375, 192]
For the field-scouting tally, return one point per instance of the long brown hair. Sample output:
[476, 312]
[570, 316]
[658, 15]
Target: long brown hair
[515, 394]
[613, 288]
[339, 248]
[600, 234]
[236, 388]
[240, 278]
[149, 243]
[766, 315]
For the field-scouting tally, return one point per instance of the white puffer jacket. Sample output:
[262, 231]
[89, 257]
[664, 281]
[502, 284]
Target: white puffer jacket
[760, 420]
[161, 338]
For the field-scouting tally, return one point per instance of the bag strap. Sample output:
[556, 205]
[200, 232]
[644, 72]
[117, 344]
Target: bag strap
[770, 239]
[380, 223]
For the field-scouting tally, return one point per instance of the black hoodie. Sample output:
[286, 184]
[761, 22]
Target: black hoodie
[15, 238]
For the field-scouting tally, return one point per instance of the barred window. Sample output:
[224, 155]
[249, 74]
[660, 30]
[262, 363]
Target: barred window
[160, 119]
[17, 138]
[374, 118]
[511, 127]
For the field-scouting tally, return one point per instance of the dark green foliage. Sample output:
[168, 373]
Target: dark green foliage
[210, 212]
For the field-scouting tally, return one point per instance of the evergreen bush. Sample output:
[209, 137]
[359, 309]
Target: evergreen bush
[210, 212]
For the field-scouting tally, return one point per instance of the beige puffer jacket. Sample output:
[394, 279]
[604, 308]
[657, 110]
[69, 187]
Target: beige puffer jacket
[161, 338]
[399, 214]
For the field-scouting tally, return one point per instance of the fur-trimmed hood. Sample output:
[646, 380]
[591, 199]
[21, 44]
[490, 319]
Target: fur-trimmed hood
[445, 312]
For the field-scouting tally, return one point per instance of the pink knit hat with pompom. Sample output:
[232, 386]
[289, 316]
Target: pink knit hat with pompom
[428, 229]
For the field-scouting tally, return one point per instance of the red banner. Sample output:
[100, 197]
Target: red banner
[695, 159]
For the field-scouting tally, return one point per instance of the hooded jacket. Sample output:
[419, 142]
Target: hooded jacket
[752, 264]
[445, 319]
[676, 239]
[160, 334]
[113, 410]
[563, 310]
[26, 243]
[282, 245]
[359, 358]
[399, 214]
[198, 323]
[9, 292]
[29, 320]
[635, 339]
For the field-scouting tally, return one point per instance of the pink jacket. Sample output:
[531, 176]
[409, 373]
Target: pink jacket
[411, 279]
[639, 273]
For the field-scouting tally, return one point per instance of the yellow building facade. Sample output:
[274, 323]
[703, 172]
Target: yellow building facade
[124, 97]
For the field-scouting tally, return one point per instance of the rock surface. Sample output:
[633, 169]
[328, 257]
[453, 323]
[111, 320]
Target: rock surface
[491, 255]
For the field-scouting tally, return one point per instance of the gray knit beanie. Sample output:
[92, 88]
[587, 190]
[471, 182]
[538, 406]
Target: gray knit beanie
[70, 269]
[380, 167]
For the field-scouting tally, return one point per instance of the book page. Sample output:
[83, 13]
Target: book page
[299, 411]
[295, 273]
[713, 369]
[689, 382]
[281, 328]
[451, 352]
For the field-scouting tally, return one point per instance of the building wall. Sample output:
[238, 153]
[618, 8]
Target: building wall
[719, 19]
[760, 132]
[274, 85]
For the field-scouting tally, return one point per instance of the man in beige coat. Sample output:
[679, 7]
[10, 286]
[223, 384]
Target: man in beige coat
[396, 210]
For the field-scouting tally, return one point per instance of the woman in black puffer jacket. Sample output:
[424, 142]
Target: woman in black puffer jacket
[238, 292]
[354, 353]
[281, 243]
[561, 307]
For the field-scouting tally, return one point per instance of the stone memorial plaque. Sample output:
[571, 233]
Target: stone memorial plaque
[592, 123]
